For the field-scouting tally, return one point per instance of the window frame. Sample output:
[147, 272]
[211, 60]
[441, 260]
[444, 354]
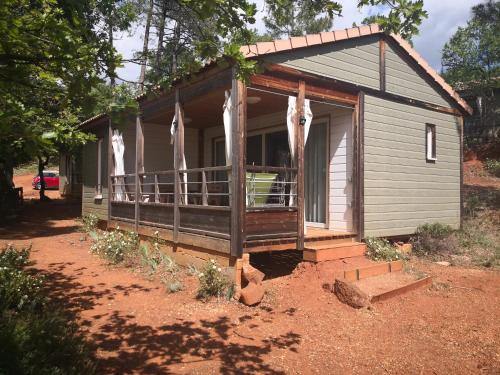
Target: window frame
[430, 143]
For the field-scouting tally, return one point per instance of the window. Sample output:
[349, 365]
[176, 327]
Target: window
[430, 142]
[99, 169]
[277, 149]
[254, 150]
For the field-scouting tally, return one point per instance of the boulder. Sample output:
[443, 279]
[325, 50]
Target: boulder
[443, 263]
[350, 294]
[252, 275]
[252, 294]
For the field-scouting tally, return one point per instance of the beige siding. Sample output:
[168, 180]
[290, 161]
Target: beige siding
[403, 79]
[98, 207]
[355, 61]
[340, 206]
[402, 190]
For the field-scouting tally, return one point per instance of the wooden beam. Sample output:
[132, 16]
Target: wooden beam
[360, 169]
[139, 167]
[299, 138]
[201, 148]
[110, 169]
[317, 92]
[461, 121]
[381, 49]
[238, 175]
[178, 148]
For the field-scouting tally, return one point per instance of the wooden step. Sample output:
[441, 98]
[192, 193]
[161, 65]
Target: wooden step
[383, 287]
[358, 268]
[320, 252]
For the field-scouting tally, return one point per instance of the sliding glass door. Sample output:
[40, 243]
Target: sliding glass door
[315, 174]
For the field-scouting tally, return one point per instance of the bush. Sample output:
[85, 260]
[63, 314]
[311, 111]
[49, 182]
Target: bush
[89, 223]
[213, 282]
[493, 167]
[35, 337]
[115, 245]
[381, 249]
[433, 239]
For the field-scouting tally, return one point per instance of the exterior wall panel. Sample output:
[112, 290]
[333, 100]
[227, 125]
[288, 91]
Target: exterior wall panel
[402, 190]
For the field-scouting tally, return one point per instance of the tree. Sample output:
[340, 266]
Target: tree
[51, 55]
[471, 64]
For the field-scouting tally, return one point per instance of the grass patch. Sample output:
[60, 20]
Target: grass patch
[35, 336]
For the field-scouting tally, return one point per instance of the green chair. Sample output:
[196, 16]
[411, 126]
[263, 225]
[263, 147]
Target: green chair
[259, 188]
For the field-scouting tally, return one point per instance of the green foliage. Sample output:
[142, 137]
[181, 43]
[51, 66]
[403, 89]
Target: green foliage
[493, 167]
[213, 282]
[89, 223]
[433, 239]
[35, 337]
[115, 245]
[403, 17]
[381, 249]
[294, 18]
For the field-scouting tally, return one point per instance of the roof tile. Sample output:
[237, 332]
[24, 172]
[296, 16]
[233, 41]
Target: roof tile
[298, 41]
[265, 47]
[327, 37]
[313, 39]
[353, 32]
[282, 45]
[365, 30]
[340, 34]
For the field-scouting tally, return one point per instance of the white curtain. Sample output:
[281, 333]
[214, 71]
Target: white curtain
[182, 165]
[118, 152]
[228, 114]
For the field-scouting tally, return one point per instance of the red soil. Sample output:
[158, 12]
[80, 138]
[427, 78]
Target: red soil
[299, 328]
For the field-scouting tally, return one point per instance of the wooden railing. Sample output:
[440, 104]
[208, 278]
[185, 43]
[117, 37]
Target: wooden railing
[205, 200]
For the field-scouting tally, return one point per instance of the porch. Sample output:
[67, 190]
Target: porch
[257, 186]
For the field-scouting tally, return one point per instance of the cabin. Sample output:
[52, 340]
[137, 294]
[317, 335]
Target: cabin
[340, 136]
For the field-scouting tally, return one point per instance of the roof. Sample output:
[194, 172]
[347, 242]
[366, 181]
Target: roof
[276, 46]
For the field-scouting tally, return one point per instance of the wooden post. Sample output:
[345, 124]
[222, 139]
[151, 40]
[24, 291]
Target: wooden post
[139, 166]
[359, 166]
[178, 153]
[382, 62]
[299, 138]
[110, 170]
[238, 175]
[204, 189]
[157, 190]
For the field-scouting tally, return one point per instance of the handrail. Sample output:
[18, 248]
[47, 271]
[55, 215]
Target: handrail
[265, 169]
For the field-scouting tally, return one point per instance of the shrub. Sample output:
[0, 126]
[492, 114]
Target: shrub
[18, 290]
[115, 245]
[35, 337]
[433, 239]
[493, 167]
[89, 223]
[213, 282]
[381, 249]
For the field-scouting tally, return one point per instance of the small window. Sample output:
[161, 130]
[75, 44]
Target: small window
[430, 142]
[98, 189]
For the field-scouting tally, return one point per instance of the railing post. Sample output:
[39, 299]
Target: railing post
[299, 138]
[238, 176]
[204, 190]
[157, 190]
[139, 166]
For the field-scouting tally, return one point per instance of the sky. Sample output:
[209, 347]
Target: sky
[445, 16]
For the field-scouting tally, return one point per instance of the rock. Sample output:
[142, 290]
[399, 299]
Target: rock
[404, 248]
[252, 275]
[350, 294]
[252, 294]
[443, 263]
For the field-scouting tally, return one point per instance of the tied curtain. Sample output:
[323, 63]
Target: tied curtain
[118, 152]
[182, 165]
[290, 124]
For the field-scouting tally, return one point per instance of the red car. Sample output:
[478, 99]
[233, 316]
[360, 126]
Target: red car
[51, 180]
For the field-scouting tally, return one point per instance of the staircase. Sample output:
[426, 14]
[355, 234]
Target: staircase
[345, 259]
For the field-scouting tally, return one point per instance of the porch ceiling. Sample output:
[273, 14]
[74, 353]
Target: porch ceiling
[206, 111]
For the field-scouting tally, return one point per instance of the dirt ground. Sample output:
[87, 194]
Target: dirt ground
[137, 327]
[28, 191]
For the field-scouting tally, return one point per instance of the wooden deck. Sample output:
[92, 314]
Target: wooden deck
[312, 235]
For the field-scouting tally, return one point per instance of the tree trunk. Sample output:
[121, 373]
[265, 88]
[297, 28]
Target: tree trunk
[41, 167]
[112, 67]
[175, 49]
[145, 46]
[161, 34]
